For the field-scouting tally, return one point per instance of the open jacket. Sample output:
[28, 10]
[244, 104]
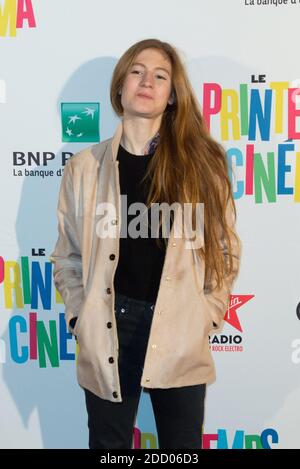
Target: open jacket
[178, 352]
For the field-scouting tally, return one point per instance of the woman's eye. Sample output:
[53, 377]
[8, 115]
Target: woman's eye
[161, 77]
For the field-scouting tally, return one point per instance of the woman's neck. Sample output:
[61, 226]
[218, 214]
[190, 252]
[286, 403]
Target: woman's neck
[139, 139]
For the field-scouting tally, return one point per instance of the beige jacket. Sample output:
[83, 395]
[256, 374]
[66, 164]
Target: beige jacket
[178, 351]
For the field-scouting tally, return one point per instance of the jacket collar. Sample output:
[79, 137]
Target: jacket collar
[116, 141]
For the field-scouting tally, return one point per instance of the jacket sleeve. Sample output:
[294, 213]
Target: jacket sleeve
[218, 299]
[66, 257]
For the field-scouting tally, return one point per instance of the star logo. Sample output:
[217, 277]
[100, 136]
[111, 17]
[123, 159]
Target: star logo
[231, 316]
[73, 119]
[80, 122]
[89, 112]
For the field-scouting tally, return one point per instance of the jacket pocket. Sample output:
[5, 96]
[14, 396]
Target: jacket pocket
[72, 322]
[79, 319]
[206, 314]
[76, 327]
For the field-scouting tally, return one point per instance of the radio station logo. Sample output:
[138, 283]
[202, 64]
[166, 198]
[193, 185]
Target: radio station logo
[231, 342]
[80, 122]
[15, 14]
[236, 302]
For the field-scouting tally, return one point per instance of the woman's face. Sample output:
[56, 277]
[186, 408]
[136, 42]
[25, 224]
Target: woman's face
[147, 86]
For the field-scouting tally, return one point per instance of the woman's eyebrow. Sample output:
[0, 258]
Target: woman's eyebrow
[156, 68]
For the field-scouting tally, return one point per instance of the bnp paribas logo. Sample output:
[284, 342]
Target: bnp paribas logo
[80, 122]
[13, 15]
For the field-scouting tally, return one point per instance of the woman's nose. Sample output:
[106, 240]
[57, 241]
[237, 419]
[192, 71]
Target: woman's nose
[147, 79]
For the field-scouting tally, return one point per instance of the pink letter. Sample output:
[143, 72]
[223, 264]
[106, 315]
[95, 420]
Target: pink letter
[32, 336]
[249, 169]
[1, 269]
[25, 12]
[207, 438]
[136, 438]
[208, 108]
[293, 113]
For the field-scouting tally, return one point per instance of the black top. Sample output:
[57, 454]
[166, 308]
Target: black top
[141, 260]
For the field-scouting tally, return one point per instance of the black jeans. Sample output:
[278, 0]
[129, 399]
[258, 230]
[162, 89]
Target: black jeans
[178, 412]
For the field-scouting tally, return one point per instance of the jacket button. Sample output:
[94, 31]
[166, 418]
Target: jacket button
[112, 257]
[168, 278]
[173, 244]
[108, 291]
[111, 360]
[109, 324]
[114, 222]
[147, 379]
[115, 394]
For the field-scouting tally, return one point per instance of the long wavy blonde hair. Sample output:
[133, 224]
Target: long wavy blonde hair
[189, 165]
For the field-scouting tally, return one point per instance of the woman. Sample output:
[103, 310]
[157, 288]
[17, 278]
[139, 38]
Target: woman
[142, 307]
